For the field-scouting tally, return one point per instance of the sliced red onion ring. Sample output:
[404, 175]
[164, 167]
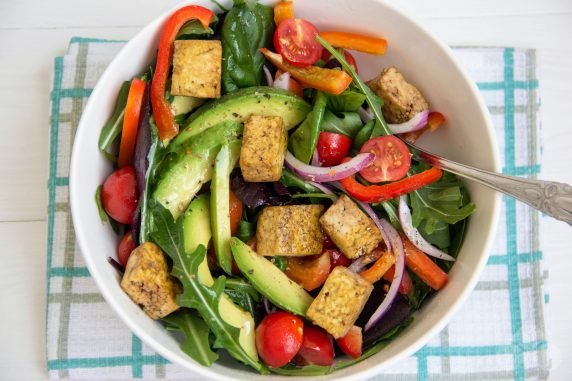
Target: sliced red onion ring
[326, 174]
[413, 234]
[322, 188]
[397, 245]
[357, 266]
[418, 121]
[269, 80]
[365, 114]
[269, 308]
[315, 159]
[283, 81]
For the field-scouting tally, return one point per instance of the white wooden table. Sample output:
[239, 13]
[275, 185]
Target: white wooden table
[33, 32]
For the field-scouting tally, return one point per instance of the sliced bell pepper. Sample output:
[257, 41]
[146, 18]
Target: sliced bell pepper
[352, 41]
[422, 266]
[379, 268]
[434, 121]
[166, 125]
[380, 193]
[282, 11]
[328, 80]
[131, 122]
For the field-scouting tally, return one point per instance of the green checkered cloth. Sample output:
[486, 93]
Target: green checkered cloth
[498, 334]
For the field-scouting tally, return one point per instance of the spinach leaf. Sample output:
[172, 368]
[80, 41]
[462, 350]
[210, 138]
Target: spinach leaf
[363, 135]
[345, 123]
[196, 331]
[291, 180]
[247, 27]
[168, 234]
[349, 100]
[114, 125]
[373, 101]
[194, 29]
[246, 231]
[303, 141]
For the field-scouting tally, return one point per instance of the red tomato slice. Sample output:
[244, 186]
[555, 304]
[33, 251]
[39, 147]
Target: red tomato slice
[295, 40]
[392, 159]
[351, 343]
[279, 338]
[332, 148]
[316, 349]
[126, 246]
[119, 195]
[310, 272]
[338, 259]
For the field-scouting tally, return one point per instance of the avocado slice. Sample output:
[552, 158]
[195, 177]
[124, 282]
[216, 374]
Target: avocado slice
[269, 280]
[197, 231]
[185, 170]
[241, 104]
[220, 204]
[182, 104]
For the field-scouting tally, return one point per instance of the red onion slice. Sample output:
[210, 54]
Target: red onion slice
[357, 266]
[397, 246]
[269, 308]
[418, 121]
[315, 159]
[283, 81]
[326, 174]
[268, 75]
[365, 114]
[413, 234]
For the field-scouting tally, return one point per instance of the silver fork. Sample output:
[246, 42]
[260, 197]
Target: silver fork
[551, 198]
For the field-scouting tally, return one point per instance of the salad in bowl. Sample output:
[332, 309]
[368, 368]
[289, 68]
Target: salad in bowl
[267, 204]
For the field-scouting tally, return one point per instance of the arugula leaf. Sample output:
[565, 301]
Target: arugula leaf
[114, 125]
[363, 135]
[247, 27]
[102, 213]
[279, 262]
[303, 141]
[345, 123]
[420, 291]
[291, 180]
[243, 294]
[168, 234]
[196, 331]
[349, 100]
[436, 232]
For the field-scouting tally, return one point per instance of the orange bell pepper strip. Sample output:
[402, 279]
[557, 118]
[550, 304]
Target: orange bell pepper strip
[434, 121]
[131, 122]
[166, 125]
[379, 193]
[352, 41]
[406, 286]
[427, 270]
[327, 80]
[282, 11]
[379, 268]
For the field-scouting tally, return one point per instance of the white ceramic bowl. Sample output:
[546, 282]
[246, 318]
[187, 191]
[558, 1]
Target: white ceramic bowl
[425, 61]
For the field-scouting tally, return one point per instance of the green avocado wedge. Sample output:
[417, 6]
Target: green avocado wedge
[269, 280]
[185, 170]
[241, 104]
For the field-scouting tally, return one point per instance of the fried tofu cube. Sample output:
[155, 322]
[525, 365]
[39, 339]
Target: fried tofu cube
[350, 228]
[289, 230]
[401, 100]
[340, 301]
[197, 68]
[148, 283]
[264, 144]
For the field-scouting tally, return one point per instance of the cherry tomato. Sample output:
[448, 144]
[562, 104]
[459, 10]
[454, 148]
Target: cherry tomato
[295, 40]
[235, 212]
[332, 148]
[310, 272]
[327, 242]
[279, 338]
[333, 63]
[351, 343]
[392, 159]
[338, 259]
[317, 348]
[125, 247]
[119, 195]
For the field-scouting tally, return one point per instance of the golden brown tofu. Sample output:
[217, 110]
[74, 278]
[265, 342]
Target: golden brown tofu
[197, 68]
[340, 301]
[350, 228]
[289, 230]
[148, 283]
[401, 100]
[263, 149]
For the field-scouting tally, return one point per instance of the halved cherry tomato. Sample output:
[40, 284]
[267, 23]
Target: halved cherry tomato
[310, 272]
[125, 247]
[295, 40]
[235, 212]
[332, 63]
[332, 148]
[282, 11]
[279, 338]
[351, 343]
[392, 159]
[327, 242]
[119, 195]
[316, 349]
[338, 259]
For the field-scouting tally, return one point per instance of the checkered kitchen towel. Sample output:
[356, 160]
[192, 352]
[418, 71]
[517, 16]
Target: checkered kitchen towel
[498, 334]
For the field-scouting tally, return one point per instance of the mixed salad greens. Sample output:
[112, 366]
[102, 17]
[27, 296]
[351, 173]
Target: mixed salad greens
[267, 201]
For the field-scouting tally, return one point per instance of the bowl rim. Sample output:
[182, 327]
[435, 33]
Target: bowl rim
[422, 340]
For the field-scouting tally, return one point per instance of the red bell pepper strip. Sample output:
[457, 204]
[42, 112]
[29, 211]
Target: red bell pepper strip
[434, 121]
[166, 125]
[131, 122]
[379, 193]
[328, 80]
[352, 41]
